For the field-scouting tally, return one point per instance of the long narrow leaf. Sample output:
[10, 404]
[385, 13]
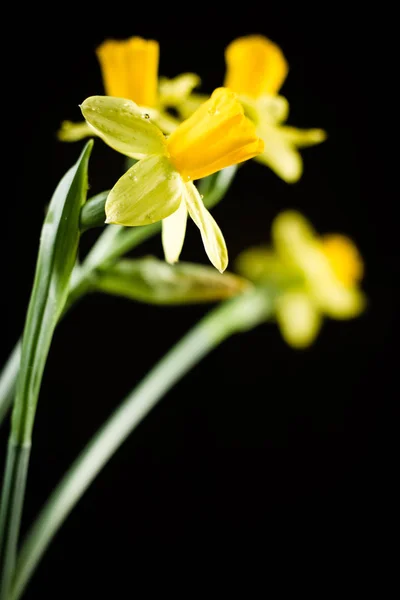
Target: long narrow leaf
[56, 258]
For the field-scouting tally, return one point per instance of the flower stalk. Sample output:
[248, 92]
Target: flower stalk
[232, 316]
[56, 259]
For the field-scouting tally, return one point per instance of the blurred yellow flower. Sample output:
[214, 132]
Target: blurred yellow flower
[160, 185]
[255, 66]
[130, 70]
[256, 69]
[314, 276]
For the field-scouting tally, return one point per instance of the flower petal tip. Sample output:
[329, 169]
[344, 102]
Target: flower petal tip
[320, 135]
[222, 267]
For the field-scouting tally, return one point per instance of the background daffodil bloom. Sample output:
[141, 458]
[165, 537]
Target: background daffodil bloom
[314, 275]
[129, 70]
[256, 69]
[160, 185]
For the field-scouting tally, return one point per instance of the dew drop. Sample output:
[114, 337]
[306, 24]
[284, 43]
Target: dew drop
[146, 116]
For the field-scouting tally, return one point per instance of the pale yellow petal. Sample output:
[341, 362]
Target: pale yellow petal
[254, 66]
[265, 109]
[303, 138]
[256, 263]
[279, 155]
[150, 191]
[298, 319]
[165, 122]
[273, 108]
[292, 234]
[211, 234]
[123, 126]
[191, 104]
[173, 233]
[174, 91]
[74, 132]
[336, 300]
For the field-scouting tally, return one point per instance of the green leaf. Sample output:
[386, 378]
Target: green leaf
[156, 282]
[57, 254]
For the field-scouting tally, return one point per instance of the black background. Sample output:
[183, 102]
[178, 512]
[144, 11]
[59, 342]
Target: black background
[260, 448]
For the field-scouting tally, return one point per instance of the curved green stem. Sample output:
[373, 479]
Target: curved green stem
[13, 493]
[57, 253]
[238, 314]
[8, 379]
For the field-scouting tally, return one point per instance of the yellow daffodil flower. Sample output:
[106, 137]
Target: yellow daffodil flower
[160, 185]
[315, 276]
[130, 70]
[256, 69]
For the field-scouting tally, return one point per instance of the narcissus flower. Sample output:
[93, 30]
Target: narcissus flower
[130, 70]
[314, 275]
[160, 186]
[256, 70]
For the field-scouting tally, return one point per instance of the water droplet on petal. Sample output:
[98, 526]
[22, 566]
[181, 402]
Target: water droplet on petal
[146, 116]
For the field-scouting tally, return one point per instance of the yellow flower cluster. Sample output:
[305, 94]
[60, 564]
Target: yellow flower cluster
[313, 276]
[160, 185]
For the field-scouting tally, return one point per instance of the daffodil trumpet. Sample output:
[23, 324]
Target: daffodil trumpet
[129, 69]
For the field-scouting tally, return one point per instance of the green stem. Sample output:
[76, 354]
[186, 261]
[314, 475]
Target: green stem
[232, 316]
[114, 242]
[8, 380]
[56, 257]
[93, 212]
[12, 502]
